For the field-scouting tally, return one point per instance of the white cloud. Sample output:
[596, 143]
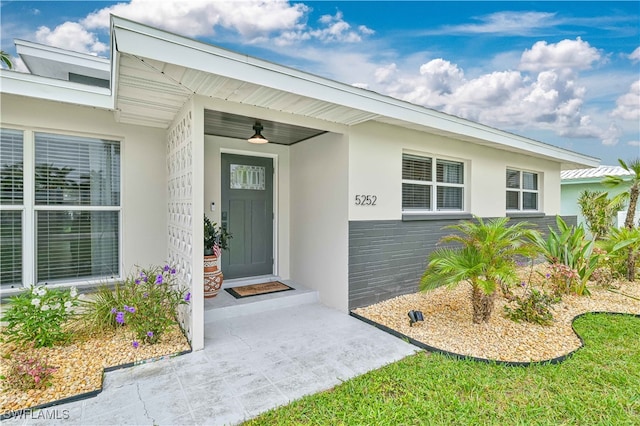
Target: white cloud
[633, 143]
[566, 54]
[628, 105]
[333, 28]
[71, 36]
[384, 74]
[504, 23]
[635, 55]
[546, 97]
[200, 18]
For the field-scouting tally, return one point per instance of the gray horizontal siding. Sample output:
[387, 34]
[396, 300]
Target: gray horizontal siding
[387, 257]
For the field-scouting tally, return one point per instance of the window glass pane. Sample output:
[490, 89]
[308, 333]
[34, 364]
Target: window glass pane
[11, 178]
[529, 201]
[513, 179]
[416, 197]
[529, 181]
[76, 171]
[11, 248]
[513, 200]
[76, 244]
[449, 198]
[247, 177]
[449, 172]
[415, 167]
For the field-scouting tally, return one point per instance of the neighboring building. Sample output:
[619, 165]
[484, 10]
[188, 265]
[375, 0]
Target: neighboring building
[349, 196]
[574, 182]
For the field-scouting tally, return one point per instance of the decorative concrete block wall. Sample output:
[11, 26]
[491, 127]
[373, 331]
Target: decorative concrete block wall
[388, 257]
[180, 208]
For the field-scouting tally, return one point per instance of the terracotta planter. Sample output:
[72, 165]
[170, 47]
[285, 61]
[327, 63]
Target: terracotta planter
[212, 277]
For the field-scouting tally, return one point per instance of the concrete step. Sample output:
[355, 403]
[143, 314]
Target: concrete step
[225, 306]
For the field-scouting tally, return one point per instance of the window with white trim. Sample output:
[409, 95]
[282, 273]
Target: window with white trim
[522, 190]
[61, 210]
[431, 184]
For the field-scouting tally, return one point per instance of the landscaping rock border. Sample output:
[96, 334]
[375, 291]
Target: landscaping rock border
[115, 352]
[447, 327]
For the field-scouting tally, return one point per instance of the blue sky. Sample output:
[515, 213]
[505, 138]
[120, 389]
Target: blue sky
[565, 73]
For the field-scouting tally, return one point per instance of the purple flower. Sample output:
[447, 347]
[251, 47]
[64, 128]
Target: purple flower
[173, 271]
[166, 268]
[145, 295]
[137, 280]
[523, 284]
[150, 333]
[135, 344]
[131, 309]
[159, 279]
[187, 297]
[114, 310]
[120, 317]
[548, 275]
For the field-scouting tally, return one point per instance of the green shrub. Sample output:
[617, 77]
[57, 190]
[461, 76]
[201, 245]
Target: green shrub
[37, 316]
[146, 303]
[571, 257]
[96, 314]
[599, 211]
[622, 247]
[534, 306]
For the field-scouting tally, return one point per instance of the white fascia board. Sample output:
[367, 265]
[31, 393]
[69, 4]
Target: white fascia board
[33, 86]
[56, 54]
[144, 41]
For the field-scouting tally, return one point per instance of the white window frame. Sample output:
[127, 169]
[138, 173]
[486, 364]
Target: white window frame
[434, 184]
[29, 209]
[521, 190]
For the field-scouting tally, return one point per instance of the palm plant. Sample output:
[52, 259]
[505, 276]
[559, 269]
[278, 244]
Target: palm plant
[486, 260]
[634, 190]
[632, 194]
[5, 58]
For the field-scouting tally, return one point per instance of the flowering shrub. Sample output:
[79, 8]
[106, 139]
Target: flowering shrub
[534, 306]
[146, 303]
[27, 372]
[37, 316]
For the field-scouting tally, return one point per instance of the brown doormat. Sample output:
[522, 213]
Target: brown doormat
[257, 289]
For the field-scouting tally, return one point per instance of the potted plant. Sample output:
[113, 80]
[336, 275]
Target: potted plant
[216, 239]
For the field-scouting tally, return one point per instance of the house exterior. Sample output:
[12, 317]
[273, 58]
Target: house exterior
[574, 182]
[348, 197]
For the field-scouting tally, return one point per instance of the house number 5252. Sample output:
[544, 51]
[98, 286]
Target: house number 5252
[366, 200]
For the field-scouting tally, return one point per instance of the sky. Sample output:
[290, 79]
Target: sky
[564, 73]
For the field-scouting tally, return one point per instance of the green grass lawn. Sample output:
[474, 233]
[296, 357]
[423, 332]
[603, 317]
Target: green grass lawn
[599, 385]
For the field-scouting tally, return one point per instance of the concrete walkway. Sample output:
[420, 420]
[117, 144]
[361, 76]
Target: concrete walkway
[250, 364]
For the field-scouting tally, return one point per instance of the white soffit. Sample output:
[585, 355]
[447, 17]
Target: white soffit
[218, 73]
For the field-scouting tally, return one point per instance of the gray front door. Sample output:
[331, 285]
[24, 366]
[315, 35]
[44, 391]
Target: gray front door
[247, 213]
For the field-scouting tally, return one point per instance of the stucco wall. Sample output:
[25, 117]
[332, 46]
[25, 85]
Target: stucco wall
[144, 207]
[375, 167]
[319, 217]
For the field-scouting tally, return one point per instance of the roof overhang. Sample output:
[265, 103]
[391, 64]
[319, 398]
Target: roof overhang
[34, 86]
[49, 61]
[156, 72]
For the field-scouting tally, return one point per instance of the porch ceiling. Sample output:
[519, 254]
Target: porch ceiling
[150, 93]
